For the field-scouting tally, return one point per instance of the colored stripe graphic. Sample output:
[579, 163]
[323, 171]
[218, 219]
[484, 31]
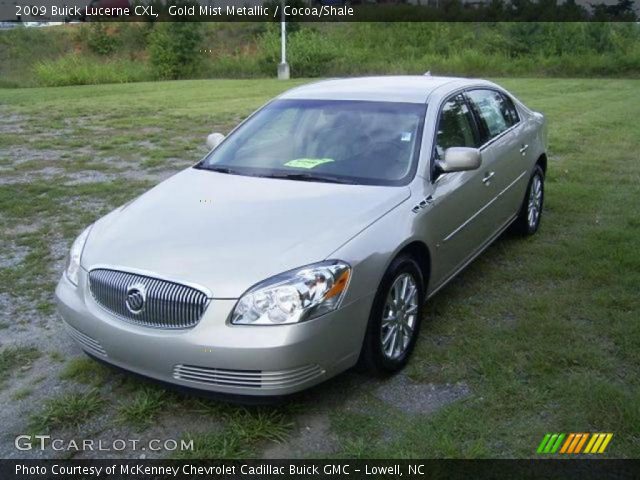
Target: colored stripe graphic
[543, 443]
[581, 442]
[551, 443]
[596, 446]
[555, 448]
[567, 443]
[573, 443]
[594, 437]
[604, 445]
[599, 443]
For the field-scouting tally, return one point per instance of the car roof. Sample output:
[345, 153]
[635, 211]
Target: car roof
[402, 88]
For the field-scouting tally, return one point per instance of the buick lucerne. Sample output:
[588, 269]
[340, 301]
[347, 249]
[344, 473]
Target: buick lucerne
[309, 239]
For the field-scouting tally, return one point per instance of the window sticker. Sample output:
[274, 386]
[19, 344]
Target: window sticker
[405, 137]
[307, 162]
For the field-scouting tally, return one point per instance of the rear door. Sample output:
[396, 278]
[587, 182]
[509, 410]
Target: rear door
[504, 170]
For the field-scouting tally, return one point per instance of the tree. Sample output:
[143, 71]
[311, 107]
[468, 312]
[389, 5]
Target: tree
[174, 48]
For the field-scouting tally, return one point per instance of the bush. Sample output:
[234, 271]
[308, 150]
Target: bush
[309, 52]
[234, 66]
[84, 70]
[173, 48]
[99, 39]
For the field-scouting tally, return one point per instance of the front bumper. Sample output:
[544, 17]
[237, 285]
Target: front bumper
[216, 356]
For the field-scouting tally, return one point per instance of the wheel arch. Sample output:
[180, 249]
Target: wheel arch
[420, 252]
[542, 161]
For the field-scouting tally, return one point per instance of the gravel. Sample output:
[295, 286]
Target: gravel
[420, 398]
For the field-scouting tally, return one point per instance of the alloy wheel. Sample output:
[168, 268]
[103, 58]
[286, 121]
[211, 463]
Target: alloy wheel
[399, 316]
[535, 202]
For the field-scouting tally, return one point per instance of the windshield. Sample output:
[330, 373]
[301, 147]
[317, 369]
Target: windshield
[374, 143]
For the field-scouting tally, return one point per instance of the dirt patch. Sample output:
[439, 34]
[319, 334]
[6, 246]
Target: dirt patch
[150, 130]
[84, 121]
[146, 145]
[21, 154]
[47, 173]
[420, 398]
[89, 176]
[12, 122]
[58, 249]
[16, 230]
[40, 378]
[12, 255]
[154, 176]
[312, 436]
[157, 441]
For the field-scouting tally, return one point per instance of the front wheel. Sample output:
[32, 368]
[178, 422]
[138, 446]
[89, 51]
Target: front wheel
[528, 220]
[395, 317]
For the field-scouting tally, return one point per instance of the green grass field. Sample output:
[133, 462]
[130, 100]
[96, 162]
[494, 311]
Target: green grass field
[542, 332]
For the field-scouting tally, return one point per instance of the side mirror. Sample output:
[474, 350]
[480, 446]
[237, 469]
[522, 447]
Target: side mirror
[459, 159]
[214, 139]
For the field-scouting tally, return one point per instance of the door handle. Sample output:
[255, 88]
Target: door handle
[523, 150]
[487, 177]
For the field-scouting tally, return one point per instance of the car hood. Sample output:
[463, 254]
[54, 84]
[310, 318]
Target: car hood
[229, 232]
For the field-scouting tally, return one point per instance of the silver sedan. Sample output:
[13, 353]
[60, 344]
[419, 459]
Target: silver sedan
[310, 238]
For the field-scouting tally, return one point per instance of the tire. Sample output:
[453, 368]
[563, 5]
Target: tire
[528, 220]
[374, 356]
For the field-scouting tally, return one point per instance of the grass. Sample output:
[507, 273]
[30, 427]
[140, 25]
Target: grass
[143, 408]
[12, 358]
[85, 371]
[21, 393]
[68, 410]
[56, 356]
[544, 330]
[244, 431]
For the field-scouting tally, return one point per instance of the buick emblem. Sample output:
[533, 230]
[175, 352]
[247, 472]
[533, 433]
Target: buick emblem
[136, 297]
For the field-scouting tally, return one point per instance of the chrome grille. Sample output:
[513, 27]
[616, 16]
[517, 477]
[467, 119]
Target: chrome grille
[247, 378]
[89, 344]
[167, 304]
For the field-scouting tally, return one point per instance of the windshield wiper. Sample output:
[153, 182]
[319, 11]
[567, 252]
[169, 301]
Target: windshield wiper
[219, 169]
[303, 177]
[309, 177]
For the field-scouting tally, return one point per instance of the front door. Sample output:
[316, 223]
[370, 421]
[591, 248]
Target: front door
[457, 223]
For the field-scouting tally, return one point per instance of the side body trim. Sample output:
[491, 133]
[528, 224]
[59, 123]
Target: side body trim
[487, 205]
[472, 257]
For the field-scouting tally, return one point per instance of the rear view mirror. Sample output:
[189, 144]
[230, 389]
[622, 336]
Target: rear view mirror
[459, 159]
[214, 139]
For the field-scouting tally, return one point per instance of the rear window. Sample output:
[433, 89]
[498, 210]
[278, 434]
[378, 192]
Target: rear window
[496, 112]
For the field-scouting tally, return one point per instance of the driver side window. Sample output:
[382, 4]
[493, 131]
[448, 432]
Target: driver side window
[455, 126]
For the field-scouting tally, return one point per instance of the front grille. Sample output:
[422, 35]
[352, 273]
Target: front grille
[89, 344]
[247, 378]
[167, 304]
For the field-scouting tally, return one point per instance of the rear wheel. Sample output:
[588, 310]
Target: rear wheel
[528, 220]
[395, 317]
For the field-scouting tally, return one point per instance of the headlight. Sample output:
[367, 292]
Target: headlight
[294, 296]
[73, 261]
